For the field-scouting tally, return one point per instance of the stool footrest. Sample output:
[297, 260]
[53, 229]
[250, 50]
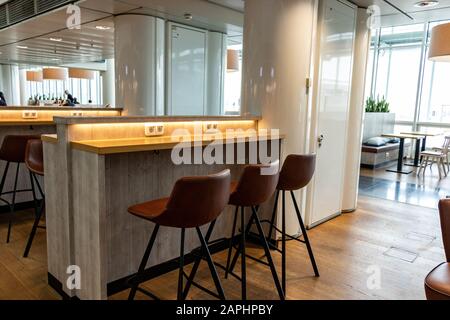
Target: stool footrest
[287, 235]
[199, 286]
[147, 293]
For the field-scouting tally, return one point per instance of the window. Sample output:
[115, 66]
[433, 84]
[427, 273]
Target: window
[398, 50]
[435, 99]
[82, 89]
[232, 91]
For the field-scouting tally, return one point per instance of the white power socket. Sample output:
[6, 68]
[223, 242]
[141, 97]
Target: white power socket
[30, 114]
[154, 129]
[77, 113]
[211, 127]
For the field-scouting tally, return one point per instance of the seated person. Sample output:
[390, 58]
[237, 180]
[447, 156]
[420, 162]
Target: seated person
[3, 100]
[70, 101]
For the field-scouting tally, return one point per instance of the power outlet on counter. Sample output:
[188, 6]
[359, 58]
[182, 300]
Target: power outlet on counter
[154, 129]
[30, 114]
[210, 127]
[76, 113]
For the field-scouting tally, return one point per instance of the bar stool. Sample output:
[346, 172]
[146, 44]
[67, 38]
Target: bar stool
[253, 189]
[13, 151]
[34, 160]
[296, 173]
[194, 202]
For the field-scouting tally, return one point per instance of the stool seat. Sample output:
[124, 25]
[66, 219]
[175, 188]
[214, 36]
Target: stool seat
[34, 157]
[150, 210]
[14, 146]
[437, 283]
[194, 202]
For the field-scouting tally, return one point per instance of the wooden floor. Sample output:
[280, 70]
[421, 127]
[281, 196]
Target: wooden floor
[431, 178]
[345, 248]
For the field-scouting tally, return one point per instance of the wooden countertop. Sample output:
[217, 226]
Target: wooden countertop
[25, 122]
[113, 146]
[402, 136]
[52, 138]
[57, 108]
[142, 119]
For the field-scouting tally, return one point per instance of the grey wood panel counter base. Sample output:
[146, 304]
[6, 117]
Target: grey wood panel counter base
[88, 222]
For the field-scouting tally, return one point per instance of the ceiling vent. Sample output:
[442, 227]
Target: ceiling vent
[45, 5]
[15, 11]
[3, 17]
[19, 10]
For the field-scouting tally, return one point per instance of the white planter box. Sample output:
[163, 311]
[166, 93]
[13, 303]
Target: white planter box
[377, 123]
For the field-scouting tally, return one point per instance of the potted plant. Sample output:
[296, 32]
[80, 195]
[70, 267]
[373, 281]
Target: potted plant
[378, 118]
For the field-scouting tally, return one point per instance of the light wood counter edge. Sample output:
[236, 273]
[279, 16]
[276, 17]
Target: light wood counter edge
[51, 138]
[143, 119]
[93, 145]
[5, 123]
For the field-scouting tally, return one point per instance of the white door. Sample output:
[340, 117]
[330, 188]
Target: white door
[336, 29]
[187, 67]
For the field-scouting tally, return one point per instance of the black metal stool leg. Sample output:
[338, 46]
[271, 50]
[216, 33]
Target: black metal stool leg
[274, 214]
[13, 204]
[230, 248]
[211, 265]
[305, 235]
[243, 262]
[144, 260]
[268, 255]
[5, 173]
[239, 250]
[180, 269]
[197, 262]
[283, 243]
[37, 217]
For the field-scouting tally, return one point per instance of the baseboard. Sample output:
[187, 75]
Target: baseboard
[58, 287]
[18, 207]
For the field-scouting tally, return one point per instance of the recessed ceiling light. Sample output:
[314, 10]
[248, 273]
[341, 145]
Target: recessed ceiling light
[56, 59]
[188, 16]
[426, 3]
[55, 39]
[22, 47]
[102, 27]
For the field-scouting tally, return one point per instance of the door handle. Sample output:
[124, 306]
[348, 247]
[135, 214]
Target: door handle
[320, 140]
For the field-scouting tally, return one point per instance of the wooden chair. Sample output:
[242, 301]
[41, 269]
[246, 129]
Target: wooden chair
[440, 156]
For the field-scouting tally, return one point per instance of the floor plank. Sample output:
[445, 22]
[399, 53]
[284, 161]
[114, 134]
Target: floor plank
[345, 248]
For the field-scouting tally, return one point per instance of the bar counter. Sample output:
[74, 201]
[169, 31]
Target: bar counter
[12, 122]
[95, 170]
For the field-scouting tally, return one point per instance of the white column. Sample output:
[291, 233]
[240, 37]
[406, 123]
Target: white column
[216, 73]
[23, 87]
[109, 83]
[139, 64]
[276, 65]
[9, 84]
[356, 113]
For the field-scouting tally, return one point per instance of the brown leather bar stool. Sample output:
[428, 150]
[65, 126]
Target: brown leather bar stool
[194, 202]
[437, 282]
[253, 189]
[296, 173]
[13, 151]
[34, 160]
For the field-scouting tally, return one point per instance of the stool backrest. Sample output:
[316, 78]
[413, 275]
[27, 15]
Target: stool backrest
[34, 156]
[446, 145]
[297, 171]
[196, 201]
[257, 184]
[444, 213]
[13, 147]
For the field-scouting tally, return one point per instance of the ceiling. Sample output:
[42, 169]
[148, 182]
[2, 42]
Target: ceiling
[32, 42]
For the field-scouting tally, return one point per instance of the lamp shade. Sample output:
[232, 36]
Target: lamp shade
[54, 74]
[81, 73]
[440, 43]
[35, 76]
[232, 60]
